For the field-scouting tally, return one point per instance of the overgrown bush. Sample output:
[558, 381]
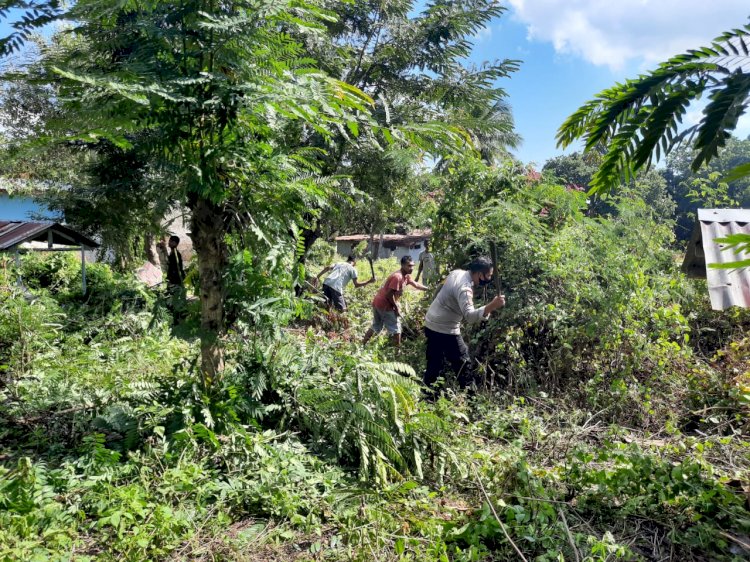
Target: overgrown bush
[597, 307]
[310, 446]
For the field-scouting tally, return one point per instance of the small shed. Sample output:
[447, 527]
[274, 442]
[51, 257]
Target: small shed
[726, 287]
[19, 236]
[393, 245]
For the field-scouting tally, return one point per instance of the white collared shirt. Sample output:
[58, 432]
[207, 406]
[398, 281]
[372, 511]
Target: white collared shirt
[454, 304]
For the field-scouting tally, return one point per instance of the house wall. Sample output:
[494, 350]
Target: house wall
[344, 248]
[412, 251]
[384, 253]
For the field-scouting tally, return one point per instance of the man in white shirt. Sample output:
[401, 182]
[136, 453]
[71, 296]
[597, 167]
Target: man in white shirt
[453, 305]
[340, 276]
[427, 266]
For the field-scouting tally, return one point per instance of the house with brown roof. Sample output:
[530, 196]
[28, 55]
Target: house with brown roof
[389, 245]
[35, 236]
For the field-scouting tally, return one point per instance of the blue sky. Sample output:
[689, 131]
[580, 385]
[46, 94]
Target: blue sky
[548, 87]
[572, 49]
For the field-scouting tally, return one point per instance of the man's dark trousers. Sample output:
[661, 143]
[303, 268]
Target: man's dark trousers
[451, 349]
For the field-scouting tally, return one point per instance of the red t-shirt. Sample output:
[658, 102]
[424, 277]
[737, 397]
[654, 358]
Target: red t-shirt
[395, 282]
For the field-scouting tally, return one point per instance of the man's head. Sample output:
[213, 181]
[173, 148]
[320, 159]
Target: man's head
[426, 245]
[481, 271]
[174, 241]
[352, 259]
[407, 265]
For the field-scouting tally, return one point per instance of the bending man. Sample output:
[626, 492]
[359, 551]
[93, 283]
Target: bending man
[341, 274]
[453, 305]
[385, 310]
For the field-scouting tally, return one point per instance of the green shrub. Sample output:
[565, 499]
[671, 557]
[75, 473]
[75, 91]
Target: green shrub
[58, 272]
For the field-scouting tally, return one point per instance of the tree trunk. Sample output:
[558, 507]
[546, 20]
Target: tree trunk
[309, 236]
[378, 247]
[149, 251]
[207, 227]
[371, 249]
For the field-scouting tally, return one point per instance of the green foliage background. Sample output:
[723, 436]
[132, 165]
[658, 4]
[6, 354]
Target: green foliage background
[611, 410]
[605, 405]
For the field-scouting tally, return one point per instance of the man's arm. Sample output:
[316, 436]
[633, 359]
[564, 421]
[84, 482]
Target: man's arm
[179, 264]
[392, 297]
[466, 304]
[357, 284]
[494, 304]
[325, 270]
[417, 285]
[473, 315]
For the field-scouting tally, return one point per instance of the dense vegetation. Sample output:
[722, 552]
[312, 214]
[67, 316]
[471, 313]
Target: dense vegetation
[246, 423]
[612, 424]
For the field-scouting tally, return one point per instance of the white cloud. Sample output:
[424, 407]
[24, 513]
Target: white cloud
[615, 33]
[482, 35]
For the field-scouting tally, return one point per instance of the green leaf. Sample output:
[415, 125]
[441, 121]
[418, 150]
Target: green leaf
[730, 265]
[399, 546]
[737, 173]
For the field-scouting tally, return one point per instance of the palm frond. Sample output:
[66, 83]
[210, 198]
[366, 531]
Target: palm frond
[641, 119]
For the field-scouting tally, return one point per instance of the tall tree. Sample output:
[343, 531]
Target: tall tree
[214, 84]
[411, 60]
[573, 168]
[577, 170]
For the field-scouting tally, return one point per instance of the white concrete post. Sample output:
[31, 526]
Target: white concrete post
[83, 269]
[18, 267]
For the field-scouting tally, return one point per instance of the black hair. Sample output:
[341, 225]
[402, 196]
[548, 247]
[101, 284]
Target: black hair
[351, 258]
[481, 264]
[175, 238]
[407, 259]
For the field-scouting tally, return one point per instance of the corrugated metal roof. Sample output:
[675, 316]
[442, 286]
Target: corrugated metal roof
[399, 239]
[726, 287]
[13, 233]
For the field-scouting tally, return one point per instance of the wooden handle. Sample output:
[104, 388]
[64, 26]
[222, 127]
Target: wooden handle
[493, 257]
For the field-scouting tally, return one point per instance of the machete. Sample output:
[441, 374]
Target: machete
[372, 269]
[493, 256]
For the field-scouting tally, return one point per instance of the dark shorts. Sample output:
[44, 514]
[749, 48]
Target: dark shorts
[334, 298]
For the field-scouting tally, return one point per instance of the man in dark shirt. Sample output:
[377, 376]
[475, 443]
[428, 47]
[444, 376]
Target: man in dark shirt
[175, 271]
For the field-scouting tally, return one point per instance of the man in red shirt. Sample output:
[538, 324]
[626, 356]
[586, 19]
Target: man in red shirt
[385, 310]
